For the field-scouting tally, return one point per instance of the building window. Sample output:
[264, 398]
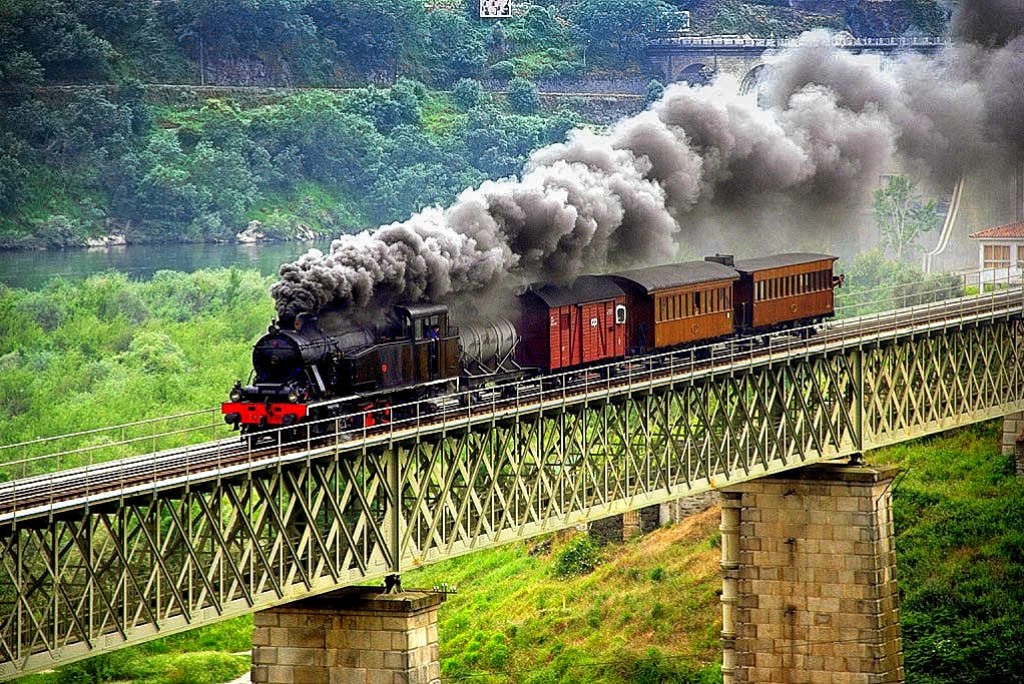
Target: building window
[996, 256]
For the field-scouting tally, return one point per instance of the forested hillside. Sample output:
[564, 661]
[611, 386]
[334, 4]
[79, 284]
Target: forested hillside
[411, 129]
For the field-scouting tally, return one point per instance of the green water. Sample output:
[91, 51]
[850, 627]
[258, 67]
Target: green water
[30, 270]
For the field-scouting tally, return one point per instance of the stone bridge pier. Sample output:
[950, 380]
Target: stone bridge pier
[809, 586]
[1013, 440]
[356, 635]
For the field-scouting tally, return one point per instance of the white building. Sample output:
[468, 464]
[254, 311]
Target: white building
[1000, 252]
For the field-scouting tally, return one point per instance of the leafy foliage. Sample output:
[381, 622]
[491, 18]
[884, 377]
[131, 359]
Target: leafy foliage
[578, 557]
[522, 96]
[959, 512]
[615, 32]
[70, 354]
[902, 215]
[877, 283]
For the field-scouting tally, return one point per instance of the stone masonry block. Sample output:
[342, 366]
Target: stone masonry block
[352, 635]
[816, 553]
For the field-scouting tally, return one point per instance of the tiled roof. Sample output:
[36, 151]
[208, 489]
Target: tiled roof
[1010, 230]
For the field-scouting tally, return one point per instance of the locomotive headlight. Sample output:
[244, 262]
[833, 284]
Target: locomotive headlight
[293, 396]
[236, 392]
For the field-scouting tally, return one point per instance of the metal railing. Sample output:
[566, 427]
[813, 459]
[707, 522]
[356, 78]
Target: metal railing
[836, 41]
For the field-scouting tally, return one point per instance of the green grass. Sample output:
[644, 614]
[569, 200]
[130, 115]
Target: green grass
[531, 612]
[441, 117]
[208, 655]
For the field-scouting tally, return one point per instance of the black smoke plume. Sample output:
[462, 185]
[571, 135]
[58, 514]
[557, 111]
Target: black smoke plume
[701, 164]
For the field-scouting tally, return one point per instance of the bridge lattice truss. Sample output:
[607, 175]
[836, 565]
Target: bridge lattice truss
[122, 567]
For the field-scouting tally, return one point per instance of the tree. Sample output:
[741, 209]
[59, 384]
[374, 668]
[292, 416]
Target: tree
[456, 45]
[467, 93]
[277, 33]
[902, 215]
[374, 38]
[654, 90]
[42, 37]
[522, 96]
[618, 30]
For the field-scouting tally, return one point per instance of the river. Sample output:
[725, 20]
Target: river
[31, 269]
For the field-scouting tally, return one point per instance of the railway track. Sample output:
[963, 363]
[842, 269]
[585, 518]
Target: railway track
[37, 495]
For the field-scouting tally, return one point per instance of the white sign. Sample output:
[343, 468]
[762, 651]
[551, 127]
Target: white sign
[495, 9]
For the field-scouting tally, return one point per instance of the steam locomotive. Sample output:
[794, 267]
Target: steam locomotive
[313, 368]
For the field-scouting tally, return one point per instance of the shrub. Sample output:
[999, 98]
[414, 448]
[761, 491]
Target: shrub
[579, 556]
[467, 93]
[654, 91]
[522, 96]
[503, 69]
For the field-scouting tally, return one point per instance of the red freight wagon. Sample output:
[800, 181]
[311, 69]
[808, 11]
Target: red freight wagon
[564, 326]
[783, 290]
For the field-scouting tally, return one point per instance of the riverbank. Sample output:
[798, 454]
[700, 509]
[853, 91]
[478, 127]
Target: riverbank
[32, 270]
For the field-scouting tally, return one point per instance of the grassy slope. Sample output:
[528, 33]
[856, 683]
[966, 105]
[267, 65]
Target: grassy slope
[649, 606]
[959, 514]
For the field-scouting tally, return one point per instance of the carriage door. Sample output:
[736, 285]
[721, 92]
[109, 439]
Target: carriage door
[565, 336]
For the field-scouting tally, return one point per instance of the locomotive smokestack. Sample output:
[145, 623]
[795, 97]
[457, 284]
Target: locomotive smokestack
[704, 164]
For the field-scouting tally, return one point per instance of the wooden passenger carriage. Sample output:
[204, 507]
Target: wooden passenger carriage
[784, 290]
[677, 304]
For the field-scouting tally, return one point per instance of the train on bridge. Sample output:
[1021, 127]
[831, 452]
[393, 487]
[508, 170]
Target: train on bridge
[328, 366]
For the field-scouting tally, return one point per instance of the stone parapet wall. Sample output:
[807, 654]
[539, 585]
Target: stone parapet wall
[357, 635]
[815, 585]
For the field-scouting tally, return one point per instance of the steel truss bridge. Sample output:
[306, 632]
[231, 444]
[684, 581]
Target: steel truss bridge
[105, 556]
